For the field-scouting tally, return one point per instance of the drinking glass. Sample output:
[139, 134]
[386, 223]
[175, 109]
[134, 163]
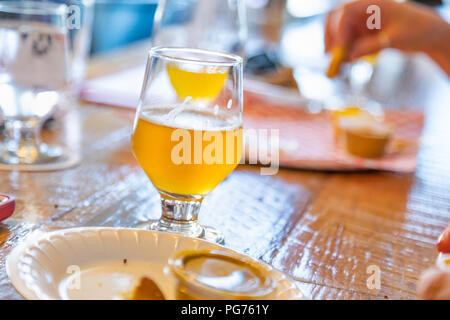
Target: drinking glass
[33, 73]
[187, 134]
[79, 22]
[205, 24]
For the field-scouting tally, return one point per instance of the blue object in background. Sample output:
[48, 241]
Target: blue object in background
[119, 22]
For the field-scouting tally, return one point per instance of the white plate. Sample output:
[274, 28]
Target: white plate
[46, 265]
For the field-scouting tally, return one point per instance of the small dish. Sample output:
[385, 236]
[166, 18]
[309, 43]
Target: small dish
[103, 263]
[216, 275]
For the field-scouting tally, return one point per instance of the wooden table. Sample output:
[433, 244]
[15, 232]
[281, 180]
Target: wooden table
[323, 229]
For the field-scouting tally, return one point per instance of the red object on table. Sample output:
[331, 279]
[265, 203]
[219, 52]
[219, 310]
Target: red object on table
[443, 242]
[7, 206]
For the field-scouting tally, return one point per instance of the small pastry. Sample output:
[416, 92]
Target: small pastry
[364, 137]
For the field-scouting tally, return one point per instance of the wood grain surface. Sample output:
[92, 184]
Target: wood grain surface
[323, 229]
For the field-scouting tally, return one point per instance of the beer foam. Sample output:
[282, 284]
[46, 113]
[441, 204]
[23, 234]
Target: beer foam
[184, 117]
[177, 110]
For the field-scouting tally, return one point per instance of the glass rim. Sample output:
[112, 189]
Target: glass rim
[33, 8]
[224, 59]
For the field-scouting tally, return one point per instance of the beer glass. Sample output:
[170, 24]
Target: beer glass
[187, 134]
[33, 73]
[205, 24]
[79, 22]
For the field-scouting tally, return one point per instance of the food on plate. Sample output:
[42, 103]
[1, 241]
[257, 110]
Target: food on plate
[147, 289]
[203, 275]
[364, 137]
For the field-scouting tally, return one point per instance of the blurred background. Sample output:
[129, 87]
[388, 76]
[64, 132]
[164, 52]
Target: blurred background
[281, 39]
[120, 22]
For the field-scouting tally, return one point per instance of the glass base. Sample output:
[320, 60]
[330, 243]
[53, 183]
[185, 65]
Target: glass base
[44, 154]
[189, 229]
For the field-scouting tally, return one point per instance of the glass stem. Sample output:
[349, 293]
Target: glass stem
[181, 216]
[22, 140]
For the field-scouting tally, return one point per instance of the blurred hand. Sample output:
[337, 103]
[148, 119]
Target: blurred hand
[434, 284]
[405, 26]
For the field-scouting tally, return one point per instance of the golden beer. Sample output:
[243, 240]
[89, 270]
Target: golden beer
[187, 151]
